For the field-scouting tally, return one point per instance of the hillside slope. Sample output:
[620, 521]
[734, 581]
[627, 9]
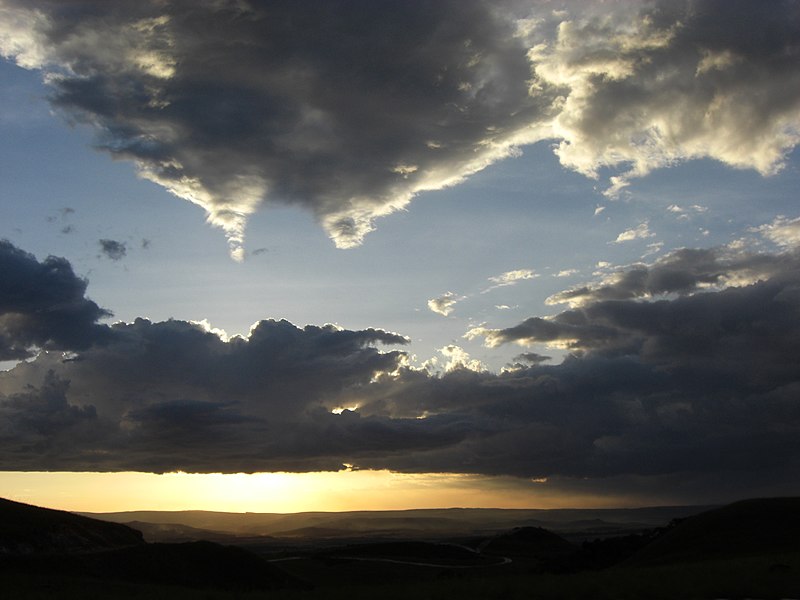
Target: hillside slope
[66, 547]
[745, 528]
[26, 529]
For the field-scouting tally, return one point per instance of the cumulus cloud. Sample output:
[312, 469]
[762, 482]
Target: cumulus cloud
[458, 358]
[351, 109]
[444, 304]
[655, 83]
[113, 249]
[254, 403]
[782, 231]
[43, 305]
[700, 385]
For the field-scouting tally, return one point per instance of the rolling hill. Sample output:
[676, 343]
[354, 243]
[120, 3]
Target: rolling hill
[66, 547]
[746, 528]
[26, 529]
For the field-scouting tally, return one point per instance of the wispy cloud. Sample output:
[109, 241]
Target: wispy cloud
[639, 232]
[113, 249]
[510, 278]
[653, 248]
[684, 214]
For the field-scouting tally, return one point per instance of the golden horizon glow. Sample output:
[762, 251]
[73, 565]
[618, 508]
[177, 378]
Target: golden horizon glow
[287, 492]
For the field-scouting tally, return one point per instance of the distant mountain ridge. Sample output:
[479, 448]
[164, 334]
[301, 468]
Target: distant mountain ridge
[433, 522]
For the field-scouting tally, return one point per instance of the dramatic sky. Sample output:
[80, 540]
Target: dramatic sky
[358, 254]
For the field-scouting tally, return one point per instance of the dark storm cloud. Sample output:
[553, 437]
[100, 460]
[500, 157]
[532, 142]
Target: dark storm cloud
[43, 305]
[350, 108]
[706, 383]
[40, 429]
[346, 108]
[598, 417]
[113, 249]
[739, 338]
[173, 395]
[692, 386]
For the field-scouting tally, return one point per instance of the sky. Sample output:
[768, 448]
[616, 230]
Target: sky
[259, 256]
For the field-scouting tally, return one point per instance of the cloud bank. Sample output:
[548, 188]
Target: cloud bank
[681, 370]
[351, 109]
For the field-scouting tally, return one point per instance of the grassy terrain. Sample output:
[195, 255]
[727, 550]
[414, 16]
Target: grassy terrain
[748, 549]
[754, 577]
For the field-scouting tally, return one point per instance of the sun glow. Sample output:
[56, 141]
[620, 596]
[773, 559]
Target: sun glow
[280, 492]
[340, 409]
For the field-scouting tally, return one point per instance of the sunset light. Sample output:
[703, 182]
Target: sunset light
[262, 257]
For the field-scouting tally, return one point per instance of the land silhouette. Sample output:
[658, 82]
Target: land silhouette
[746, 549]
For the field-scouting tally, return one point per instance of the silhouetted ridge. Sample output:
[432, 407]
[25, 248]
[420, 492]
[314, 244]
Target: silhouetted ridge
[26, 529]
[37, 540]
[745, 528]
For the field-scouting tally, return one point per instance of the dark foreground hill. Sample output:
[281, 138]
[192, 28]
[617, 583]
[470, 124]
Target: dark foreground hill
[748, 549]
[26, 529]
[36, 541]
[189, 564]
[746, 528]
